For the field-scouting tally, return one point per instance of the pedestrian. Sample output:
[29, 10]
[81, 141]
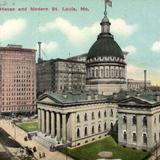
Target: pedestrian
[43, 154]
[34, 149]
[40, 156]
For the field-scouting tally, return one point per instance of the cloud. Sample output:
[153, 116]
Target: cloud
[11, 28]
[48, 48]
[134, 72]
[80, 35]
[74, 33]
[130, 49]
[156, 46]
[120, 26]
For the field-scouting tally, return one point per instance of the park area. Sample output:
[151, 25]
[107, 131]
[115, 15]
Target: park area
[92, 151]
[29, 126]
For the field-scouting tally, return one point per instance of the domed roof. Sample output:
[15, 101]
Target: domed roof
[105, 46]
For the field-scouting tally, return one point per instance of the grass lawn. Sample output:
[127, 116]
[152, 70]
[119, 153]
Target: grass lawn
[90, 151]
[28, 126]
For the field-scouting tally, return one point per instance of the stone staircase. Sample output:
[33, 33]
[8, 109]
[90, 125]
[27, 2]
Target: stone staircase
[51, 143]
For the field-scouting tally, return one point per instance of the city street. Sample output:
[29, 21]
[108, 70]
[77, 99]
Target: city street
[19, 135]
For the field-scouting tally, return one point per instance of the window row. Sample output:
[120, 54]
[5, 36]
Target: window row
[93, 115]
[93, 130]
[134, 137]
[134, 120]
[106, 73]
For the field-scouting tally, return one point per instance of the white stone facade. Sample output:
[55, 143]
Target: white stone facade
[138, 124]
[79, 124]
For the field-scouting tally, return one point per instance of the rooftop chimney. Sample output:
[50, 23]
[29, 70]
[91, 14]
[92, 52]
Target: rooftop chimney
[39, 50]
[145, 79]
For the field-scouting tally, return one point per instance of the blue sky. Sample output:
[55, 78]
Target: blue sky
[134, 24]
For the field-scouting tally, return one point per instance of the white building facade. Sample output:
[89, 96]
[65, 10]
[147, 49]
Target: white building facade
[76, 123]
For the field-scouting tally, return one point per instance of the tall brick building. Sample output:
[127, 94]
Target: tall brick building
[17, 79]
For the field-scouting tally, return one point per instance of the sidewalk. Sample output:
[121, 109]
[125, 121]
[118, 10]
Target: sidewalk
[19, 137]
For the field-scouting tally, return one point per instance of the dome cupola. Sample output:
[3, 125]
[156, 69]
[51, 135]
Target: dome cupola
[105, 46]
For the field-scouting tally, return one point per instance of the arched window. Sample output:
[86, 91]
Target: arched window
[85, 117]
[155, 138]
[111, 126]
[99, 128]
[93, 116]
[111, 114]
[144, 138]
[85, 131]
[105, 126]
[117, 72]
[145, 121]
[92, 129]
[112, 73]
[92, 72]
[105, 114]
[155, 120]
[78, 118]
[99, 114]
[134, 137]
[124, 119]
[124, 135]
[102, 73]
[78, 133]
[107, 72]
[97, 73]
[134, 120]
[159, 118]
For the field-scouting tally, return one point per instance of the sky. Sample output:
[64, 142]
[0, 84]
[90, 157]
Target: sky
[134, 24]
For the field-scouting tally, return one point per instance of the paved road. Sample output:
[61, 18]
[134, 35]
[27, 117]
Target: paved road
[19, 135]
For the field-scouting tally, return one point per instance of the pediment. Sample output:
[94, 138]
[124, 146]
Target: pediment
[134, 101]
[47, 100]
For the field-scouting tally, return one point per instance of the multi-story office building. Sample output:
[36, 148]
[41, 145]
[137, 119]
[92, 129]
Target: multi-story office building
[137, 84]
[17, 79]
[60, 75]
[81, 57]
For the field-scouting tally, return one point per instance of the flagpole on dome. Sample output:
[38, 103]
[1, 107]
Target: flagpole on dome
[105, 11]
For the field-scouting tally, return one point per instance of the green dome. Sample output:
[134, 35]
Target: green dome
[105, 47]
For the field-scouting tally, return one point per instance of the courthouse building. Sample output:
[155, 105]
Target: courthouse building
[139, 121]
[80, 118]
[17, 79]
[76, 118]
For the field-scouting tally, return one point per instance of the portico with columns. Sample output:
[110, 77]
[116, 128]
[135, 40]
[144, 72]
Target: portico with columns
[75, 119]
[53, 123]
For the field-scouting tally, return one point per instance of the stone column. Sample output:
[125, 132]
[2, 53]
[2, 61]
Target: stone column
[58, 126]
[139, 131]
[43, 121]
[64, 129]
[48, 122]
[73, 128]
[39, 120]
[129, 129]
[52, 124]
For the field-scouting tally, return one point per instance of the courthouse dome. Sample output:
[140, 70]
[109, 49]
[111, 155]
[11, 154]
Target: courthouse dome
[105, 46]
